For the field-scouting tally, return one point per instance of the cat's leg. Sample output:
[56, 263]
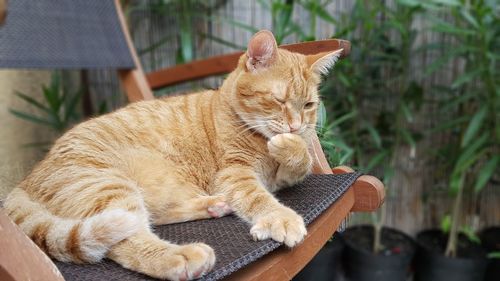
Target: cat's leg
[251, 201]
[146, 253]
[291, 152]
[190, 209]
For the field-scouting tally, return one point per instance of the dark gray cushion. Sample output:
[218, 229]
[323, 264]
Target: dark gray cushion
[229, 236]
[63, 34]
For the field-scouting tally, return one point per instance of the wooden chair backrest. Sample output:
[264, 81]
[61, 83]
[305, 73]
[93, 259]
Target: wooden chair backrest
[227, 63]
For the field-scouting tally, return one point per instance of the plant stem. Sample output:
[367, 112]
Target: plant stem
[451, 247]
[377, 227]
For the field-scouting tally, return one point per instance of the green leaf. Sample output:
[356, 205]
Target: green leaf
[409, 3]
[339, 144]
[232, 22]
[455, 101]
[31, 118]
[452, 3]
[347, 155]
[465, 13]
[321, 116]
[264, 4]
[407, 136]
[474, 125]
[374, 134]
[388, 174]
[494, 255]
[377, 159]
[465, 77]
[317, 10]
[446, 224]
[451, 124]
[32, 101]
[406, 112]
[70, 108]
[223, 42]
[166, 39]
[52, 98]
[470, 234]
[486, 172]
[437, 64]
[445, 27]
[471, 153]
[456, 182]
[186, 44]
[344, 118]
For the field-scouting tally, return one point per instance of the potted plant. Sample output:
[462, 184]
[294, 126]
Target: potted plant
[374, 141]
[326, 265]
[490, 239]
[455, 253]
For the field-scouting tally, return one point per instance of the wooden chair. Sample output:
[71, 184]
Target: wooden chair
[20, 259]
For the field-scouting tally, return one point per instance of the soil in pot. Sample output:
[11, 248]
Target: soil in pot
[326, 265]
[431, 264]
[490, 239]
[392, 263]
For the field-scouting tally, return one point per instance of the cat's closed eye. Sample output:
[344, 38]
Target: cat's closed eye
[309, 105]
[278, 99]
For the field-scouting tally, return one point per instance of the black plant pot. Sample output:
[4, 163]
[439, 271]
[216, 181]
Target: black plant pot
[325, 266]
[432, 265]
[360, 263]
[490, 239]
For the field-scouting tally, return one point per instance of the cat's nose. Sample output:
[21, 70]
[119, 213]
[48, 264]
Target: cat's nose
[294, 126]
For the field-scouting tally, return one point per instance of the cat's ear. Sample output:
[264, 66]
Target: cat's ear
[262, 51]
[322, 62]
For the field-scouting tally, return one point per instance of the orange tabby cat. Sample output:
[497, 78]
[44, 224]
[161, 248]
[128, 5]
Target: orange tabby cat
[176, 159]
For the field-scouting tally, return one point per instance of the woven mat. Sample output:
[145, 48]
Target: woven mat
[229, 236]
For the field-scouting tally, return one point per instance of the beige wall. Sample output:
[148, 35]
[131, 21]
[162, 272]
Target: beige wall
[16, 160]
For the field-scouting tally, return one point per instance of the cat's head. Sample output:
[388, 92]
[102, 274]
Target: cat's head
[276, 91]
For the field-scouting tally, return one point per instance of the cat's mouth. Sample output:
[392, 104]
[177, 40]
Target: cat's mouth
[278, 131]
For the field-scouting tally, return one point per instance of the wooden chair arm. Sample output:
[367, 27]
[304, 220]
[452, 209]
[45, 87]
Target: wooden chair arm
[368, 191]
[20, 258]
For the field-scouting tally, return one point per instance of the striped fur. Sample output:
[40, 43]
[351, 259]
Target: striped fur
[175, 159]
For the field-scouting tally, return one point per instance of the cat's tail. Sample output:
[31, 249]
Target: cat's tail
[70, 240]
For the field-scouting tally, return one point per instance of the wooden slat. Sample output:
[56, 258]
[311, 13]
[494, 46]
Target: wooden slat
[3, 11]
[133, 80]
[320, 164]
[226, 63]
[21, 259]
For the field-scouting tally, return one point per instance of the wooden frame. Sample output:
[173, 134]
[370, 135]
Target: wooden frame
[20, 259]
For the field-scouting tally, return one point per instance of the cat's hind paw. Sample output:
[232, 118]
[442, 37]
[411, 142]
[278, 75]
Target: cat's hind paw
[219, 209]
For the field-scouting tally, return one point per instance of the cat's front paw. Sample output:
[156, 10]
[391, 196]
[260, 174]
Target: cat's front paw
[282, 225]
[288, 149]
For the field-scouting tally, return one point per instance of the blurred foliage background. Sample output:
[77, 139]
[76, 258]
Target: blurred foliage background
[417, 103]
